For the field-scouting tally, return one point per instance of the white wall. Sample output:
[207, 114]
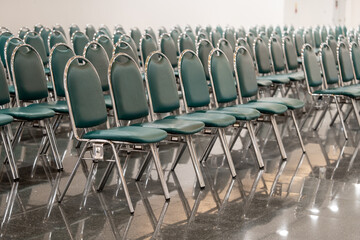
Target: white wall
[141, 13]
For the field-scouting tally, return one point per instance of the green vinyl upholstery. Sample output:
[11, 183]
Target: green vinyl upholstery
[79, 41]
[290, 54]
[213, 119]
[225, 46]
[130, 41]
[151, 32]
[168, 48]
[136, 36]
[55, 37]
[176, 126]
[4, 36]
[28, 113]
[329, 65]
[5, 119]
[90, 32]
[298, 43]
[186, 42]
[35, 40]
[124, 47]
[204, 47]
[345, 65]
[73, 28]
[106, 43]
[311, 67]
[44, 33]
[116, 37]
[59, 28]
[215, 37]
[246, 73]
[10, 45]
[229, 35]
[147, 46]
[4, 92]
[355, 56]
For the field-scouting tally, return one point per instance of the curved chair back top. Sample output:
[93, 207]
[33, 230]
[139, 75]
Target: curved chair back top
[161, 31]
[22, 32]
[245, 73]
[225, 46]
[298, 43]
[120, 28]
[38, 27]
[290, 54]
[35, 40]
[107, 44]
[324, 34]
[355, 58]
[200, 36]
[168, 48]
[79, 41]
[193, 80]
[221, 77]
[191, 34]
[73, 28]
[203, 50]
[242, 42]
[55, 37]
[277, 55]
[229, 35]
[28, 74]
[127, 88]
[103, 28]
[4, 90]
[124, 47]
[90, 31]
[264, 37]
[317, 38]
[345, 66]
[59, 55]
[331, 41]
[98, 57]
[250, 38]
[262, 56]
[214, 37]
[219, 29]
[147, 46]
[161, 84]
[311, 67]
[44, 34]
[151, 32]
[59, 28]
[10, 45]
[328, 64]
[136, 36]
[4, 36]
[82, 81]
[175, 33]
[308, 38]
[185, 42]
[116, 37]
[240, 33]
[129, 40]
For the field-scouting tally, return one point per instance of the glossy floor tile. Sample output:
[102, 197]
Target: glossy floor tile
[310, 196]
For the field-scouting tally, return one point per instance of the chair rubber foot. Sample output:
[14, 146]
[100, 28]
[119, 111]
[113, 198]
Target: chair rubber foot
[233, 177]
[202, 187]
[284, 159]
[262, 168]
[16, 179]
[167, 199]
[60, 169]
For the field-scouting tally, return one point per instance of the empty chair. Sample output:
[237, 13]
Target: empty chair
[290, 54]
[73, 28]
[250, 38]
[219, 29]
[116, 37]
[298, 41]
[79, 41]
[200, 36]
[59, 28]
[308, 38]
[120, 28]
[90, 31]
[324, 34]
[4, 36]
[135, 34]
[106, 43]
[91, 112]
[103, 28]
[124, 47]
[240, 33]
[38, 27]
[190, 33]
[225, 46]
[214, 37]
[264, 37]
[44, 33]
[147, 46]
[55, 37]
[203, 50]
[355, 59]
[346, 71]
[331, 41]
[129, 40]
[150, 31]
[174, 33]
[185, 42]
[161, 31]
[229, 35]
[9, 48]
[317, 38]
[22, 32]
[168, 48]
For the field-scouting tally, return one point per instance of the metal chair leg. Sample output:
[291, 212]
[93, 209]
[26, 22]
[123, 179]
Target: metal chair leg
[321, 118]
[298, 131]
[255, 145]
[9, 154]
[106, 175]
[227, 151]
[356, 111]
[341, 117]
[53, 145]
[160, 172]
[208, 149]
[89, 181]
[233, 140]
[143, 166]
[195, 160]
[178, 156]
[278, 138]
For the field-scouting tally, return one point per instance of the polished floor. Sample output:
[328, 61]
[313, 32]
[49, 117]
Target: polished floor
[310, 196]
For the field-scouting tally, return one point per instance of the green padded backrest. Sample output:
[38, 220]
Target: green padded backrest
[328, 62]
[308, 38]
[106, 30]
[34, 39]
[98, 57]
[59, 28]
[324, 34]
[136, 36]
[225, 46]
[116, 37]
[147, 46]
[3, 38]
[4, 92]
[229, 35]
[338, 32]
[175, 36]
[193, 79]
[264, 37]
[151, 32]
[90, 31]
[10, 45]
[119, 28]
[38, 27]
[129, 40]
[162, 30]
[215, 37]
[190, 33]
[278, 30]
[345, 65]
[311, 67]
[44, 34]
[59, 56]
[240, 33]
[106, 43]
[262, 56]
[298, 43]
[317, 38]
[290, 53]
[124, 47]
[250, 38]
[162, 83]
[79, 41]
[355, 56]
[222, 77]
[28, 73]
[203, 49]
[277, 55]
[55, 37]
[333, 45]
[84, 92]
[167, 47]
[241, 42]
[245, 72]
[127, 87]
[22, 32]
[73, 28]
[219, 30]
[185, 42]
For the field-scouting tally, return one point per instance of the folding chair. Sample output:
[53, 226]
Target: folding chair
[90, 31]
[147, 46]
[55, 37]
[22, 32]
[59, 28]
[44, 33]
[185, 42]
[78, 42]
[124, 47]
[73, 28]
[203, 49]
[106, 43]
[135, 34]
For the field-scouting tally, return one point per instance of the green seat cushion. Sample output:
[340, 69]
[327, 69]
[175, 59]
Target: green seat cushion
[108, 101]
[264, 83]
[265, 107]
[176, 126]
[280, 79]
[50, 86]
[209, 119]
[12, 89]
[291, 103]
[59, 106]
[296, 76]
[29, 113]
[5, 119]
[241, 114]
[345, 91]
[132, 134]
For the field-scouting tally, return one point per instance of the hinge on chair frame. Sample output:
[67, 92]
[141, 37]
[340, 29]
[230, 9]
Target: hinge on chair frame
[98, 151]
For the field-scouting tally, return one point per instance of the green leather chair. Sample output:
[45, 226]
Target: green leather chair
[203, 49]
[264, 37]
[308, 38]
[38, 27]
[204, 34]
[240, 33]
[191, 34]
[225, 92]
[59, 28]
[151, 32]
[290, 54]
[22, 32]
[55, 37]
[105, 29]
[250, 39]
[44, 33]
[98, 57]
[246, 79]
[10, 45]
[174, 33]
[78, 42]
[120, 28]
[298, 42]
[73, 28]
[163, 97]
[185, 42]
[200, 37]
[168, 48]
[116, 37]
[225, 46]
[346, 71]
[135, 34]
[208, 29]
[214, 37]
[107, 44]
[195, 90]
[355, 59]
[219, 29]
[90, 31]
[147, 46]
[124, 47]
[4, 36]
[269, 31]
[332, 43]
[229, 35]
[129, 40]
[161, 31]
[317, 38]
[323, 34]
[81, 81]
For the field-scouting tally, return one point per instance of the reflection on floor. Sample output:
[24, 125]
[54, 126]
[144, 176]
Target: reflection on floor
[310, 196]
